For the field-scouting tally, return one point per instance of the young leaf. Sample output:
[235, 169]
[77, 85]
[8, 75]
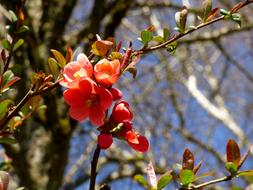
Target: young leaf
[151, 175]
[59, 57]
[18, 44]
[142, 181]
[69, 55]
[236, 7]
[4, 106]
[7, 140]
[23, 28]
[246, 173]
[166, 34]
[163, 181]
[213, 13]
[232, 168]
[186, 177]
[53, 66]
[181, 18]
[13, 17]
[233, 152]
[206, 9]
[146, 36]
[158, 39]
[6, 44]
[188, 160]
[171, 48]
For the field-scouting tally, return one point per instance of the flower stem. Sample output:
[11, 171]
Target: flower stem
[93, 172]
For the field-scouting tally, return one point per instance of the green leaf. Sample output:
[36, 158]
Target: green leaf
[206, 9]
[6, 44]
[203, 175]
[163, 181]
[166, 34]
[171, 48]
[59, 57]
[232, 168]
[158, 39]
[53, 66]
[246, 173]
[146, 36]
[236, 17]
[18, 44]
[186, 177]
[4, 106]
[7, 140]
[13, 16]
[233, 152]
[224, 12]
[142, 181]
[23, 28]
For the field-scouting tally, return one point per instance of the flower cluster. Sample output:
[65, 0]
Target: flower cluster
[90, 94]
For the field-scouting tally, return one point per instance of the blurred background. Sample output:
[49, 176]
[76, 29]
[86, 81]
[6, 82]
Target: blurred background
[198, 98]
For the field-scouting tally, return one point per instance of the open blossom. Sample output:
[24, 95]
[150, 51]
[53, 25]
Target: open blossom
[121, 112]
[76, 70]
[88, 100]
[107, 72]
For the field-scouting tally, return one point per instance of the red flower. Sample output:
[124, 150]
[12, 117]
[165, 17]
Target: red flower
[75, 71]
[104, 140]
[88, 100]
[137, 141]
[116, 93]
[121, 112]
[107, 72]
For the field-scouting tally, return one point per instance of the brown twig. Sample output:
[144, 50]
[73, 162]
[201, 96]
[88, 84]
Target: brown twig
[93, 172]
[180, 35]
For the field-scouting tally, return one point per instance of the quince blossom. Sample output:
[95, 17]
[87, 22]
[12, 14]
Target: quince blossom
[107, 72]
[88, 100]
[76, 70]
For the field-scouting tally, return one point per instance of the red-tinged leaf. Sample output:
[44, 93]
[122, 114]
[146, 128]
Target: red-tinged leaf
[103, 46]
[236, 7]
[69, 55]
[15, 122]
[59, 57]
[213, 13]
[244, 157]
[196, 168]
[233, 152]
[11, 82]
[181, 18]
[151, 175]
[150, 28]
[188, 160]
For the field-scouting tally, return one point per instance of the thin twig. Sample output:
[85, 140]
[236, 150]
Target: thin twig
[93, 172]
[180, 35]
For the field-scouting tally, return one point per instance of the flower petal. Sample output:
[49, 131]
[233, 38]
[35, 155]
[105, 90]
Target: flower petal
[105, 98]
[97, 116]
[86, 86]
[73, 97]
[116, 93]
[78, 113]
[142, 146]
[104, 140]
[83, 62]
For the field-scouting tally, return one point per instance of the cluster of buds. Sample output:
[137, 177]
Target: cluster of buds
[90, 94]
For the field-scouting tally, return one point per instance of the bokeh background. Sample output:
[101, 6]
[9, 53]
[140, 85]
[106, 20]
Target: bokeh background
[198, 98]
